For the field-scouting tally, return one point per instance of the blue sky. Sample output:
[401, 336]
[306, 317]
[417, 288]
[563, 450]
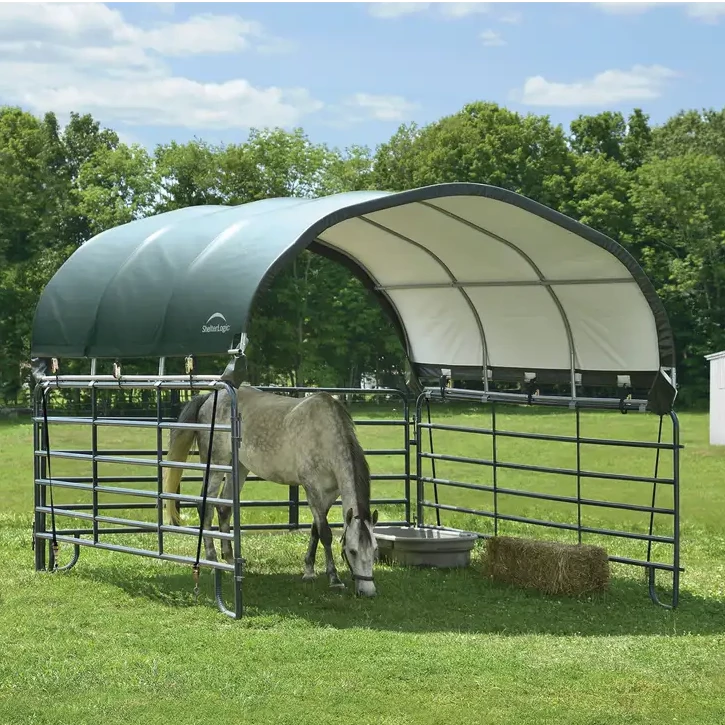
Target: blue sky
[352, 72]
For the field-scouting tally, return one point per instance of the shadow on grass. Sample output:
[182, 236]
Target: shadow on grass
[420, 600]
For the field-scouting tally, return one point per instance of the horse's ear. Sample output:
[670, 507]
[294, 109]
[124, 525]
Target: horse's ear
[348, 516]
[375, 517]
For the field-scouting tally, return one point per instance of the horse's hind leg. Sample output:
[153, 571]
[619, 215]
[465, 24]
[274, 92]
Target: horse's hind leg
[212, 491]
[225, 512]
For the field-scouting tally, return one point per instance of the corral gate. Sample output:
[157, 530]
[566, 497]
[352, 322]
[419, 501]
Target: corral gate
[123, 512]
[512, 300]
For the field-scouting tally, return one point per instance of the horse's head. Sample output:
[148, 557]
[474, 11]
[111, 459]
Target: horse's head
[360, 551]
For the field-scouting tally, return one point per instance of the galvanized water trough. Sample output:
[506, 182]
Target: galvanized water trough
[414, 546]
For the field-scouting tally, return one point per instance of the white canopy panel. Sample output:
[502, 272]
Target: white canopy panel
[479, 282]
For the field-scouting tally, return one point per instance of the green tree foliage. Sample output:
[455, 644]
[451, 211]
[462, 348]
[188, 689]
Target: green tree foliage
[31, 197]
[691, 131]
[658, 190]
[482, 143]
[679, 213]
[116, 186]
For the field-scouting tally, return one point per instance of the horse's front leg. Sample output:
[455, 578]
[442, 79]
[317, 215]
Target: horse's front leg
[225, 512]
[326, 538]
[309, 574]
[320, 505]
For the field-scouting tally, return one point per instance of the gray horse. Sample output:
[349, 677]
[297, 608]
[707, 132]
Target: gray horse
[310, 443]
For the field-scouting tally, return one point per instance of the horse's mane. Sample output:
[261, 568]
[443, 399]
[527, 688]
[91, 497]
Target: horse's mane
[361, 469]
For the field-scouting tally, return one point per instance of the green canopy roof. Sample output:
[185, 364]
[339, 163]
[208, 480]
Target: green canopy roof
[474, 276]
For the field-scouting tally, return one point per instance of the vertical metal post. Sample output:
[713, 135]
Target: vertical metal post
[433, 464]
[236, 496]
[494, 458]
[406, 433]
[676, 507]
[39, 471]
[159, 467]
[420, 487]
[94, 448]
[578, 475]
[654, 490]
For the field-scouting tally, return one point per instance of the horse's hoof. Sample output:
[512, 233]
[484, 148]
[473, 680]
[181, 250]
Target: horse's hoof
[337, 585]
[308, 577]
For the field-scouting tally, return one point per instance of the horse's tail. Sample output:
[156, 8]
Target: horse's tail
[180, 443]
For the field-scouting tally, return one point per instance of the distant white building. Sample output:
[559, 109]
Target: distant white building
[717, 398]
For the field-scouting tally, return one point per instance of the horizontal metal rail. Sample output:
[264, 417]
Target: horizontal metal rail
[106, 458]
[143, 527]
[546, 469]
[132, 423]
[127, 384]
[480, 396]
[134, 461]
[111, 530]
[182, 498]
[550, 437]
[551, 524]
[549, 496]
[185, 382]
[198, 479]
[177, 558]
[171, 425]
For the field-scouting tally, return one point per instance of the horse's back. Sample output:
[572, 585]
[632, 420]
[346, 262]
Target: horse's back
[284, 438]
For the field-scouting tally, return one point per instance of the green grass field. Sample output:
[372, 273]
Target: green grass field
[119, 639]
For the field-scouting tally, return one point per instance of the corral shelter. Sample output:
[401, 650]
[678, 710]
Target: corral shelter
[717, 398]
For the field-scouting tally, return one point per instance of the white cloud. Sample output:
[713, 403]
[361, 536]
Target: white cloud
[449, 10]
[626, 8]
[88, 58]
[165, 8]
[395, 10]
[513, 18]
[200, 34]
[462, 10]
[366, 106]
[492, 38]
[640, 83]
[706, 12]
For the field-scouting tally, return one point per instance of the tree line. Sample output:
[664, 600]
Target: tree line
[659, 190]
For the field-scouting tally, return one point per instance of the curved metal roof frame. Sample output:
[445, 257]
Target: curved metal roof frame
[475, 278]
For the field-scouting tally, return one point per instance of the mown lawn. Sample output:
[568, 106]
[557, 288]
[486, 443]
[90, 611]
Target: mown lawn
[119, 639]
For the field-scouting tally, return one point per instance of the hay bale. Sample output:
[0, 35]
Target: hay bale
[549, 566]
